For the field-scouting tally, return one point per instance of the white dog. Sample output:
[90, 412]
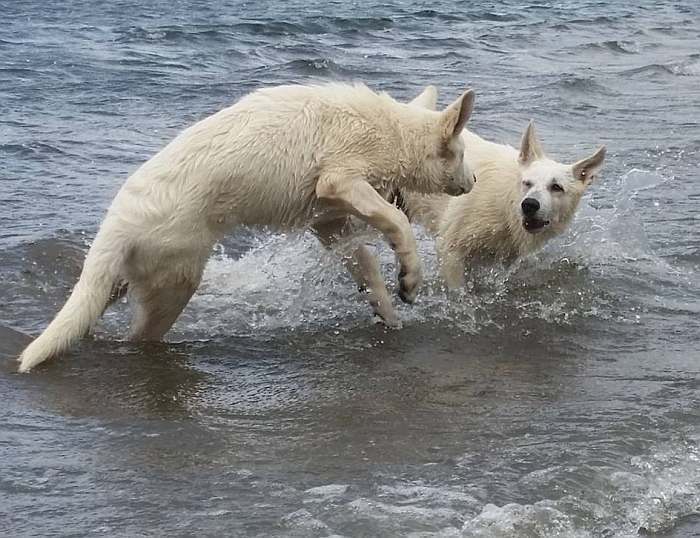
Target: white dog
[288, 156]
[520, 200]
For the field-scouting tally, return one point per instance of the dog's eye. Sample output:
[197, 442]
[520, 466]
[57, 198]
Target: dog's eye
[528, 184]
[556, 187]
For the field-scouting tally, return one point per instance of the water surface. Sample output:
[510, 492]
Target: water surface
[558, 397]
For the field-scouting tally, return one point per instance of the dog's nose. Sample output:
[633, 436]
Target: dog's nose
[530, 206]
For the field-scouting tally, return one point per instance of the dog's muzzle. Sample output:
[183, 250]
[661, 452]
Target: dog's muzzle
[531, 223]
[530, 206]
[455, 190]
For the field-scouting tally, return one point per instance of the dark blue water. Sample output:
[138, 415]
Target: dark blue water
[558, 397]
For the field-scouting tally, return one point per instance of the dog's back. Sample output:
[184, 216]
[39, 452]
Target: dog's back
[262, 156]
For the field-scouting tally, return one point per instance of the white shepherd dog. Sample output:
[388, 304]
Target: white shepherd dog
[520, 199]
[289, 156]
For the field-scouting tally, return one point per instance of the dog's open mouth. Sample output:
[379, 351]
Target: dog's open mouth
[534, 225]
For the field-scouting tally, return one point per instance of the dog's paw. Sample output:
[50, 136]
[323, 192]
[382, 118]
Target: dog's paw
[390, 323]
[387, 317]
[409, 283]
[383, 308]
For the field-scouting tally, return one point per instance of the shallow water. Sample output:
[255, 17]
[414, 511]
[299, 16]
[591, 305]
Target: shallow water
[558, 397]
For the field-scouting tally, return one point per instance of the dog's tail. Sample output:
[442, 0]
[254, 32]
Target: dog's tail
[85, 305]
[424, 209]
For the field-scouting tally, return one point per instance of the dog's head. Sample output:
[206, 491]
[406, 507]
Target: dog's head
[550, 191]
[442, 157]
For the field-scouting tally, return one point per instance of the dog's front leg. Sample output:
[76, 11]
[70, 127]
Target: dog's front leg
[364, 268]
[453, 273]
[359, 198]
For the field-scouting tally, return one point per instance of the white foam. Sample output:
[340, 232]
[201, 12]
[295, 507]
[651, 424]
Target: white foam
[303, 520]
[668, 485]
[653, 492]
[541, 519]
[418, 493]
[406, 514]
[286, 281]
[324, 493]
[688, 68]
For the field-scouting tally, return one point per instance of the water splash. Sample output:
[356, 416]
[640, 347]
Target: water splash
[258, 284]
[290, 282]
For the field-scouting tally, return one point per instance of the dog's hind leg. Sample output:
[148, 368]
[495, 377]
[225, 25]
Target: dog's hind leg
[452, 268]
[119, 290]
[160, 295]
[364, 268]
[156, 309]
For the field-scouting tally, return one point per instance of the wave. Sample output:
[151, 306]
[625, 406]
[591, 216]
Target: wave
[651, 493]
[578, 84]
[644, 494]
[615, 45]
[324, 67]
[434, 14]
[188, 33]
[32, 149]
[354, 23]
[687, 68]
[683, 68]
[275, 28]
[624, 47]
[595, 21]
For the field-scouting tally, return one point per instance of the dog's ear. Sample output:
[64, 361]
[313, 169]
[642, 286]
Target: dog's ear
[454, 117]
[586, 169]
[427, 98]
[530, 147]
